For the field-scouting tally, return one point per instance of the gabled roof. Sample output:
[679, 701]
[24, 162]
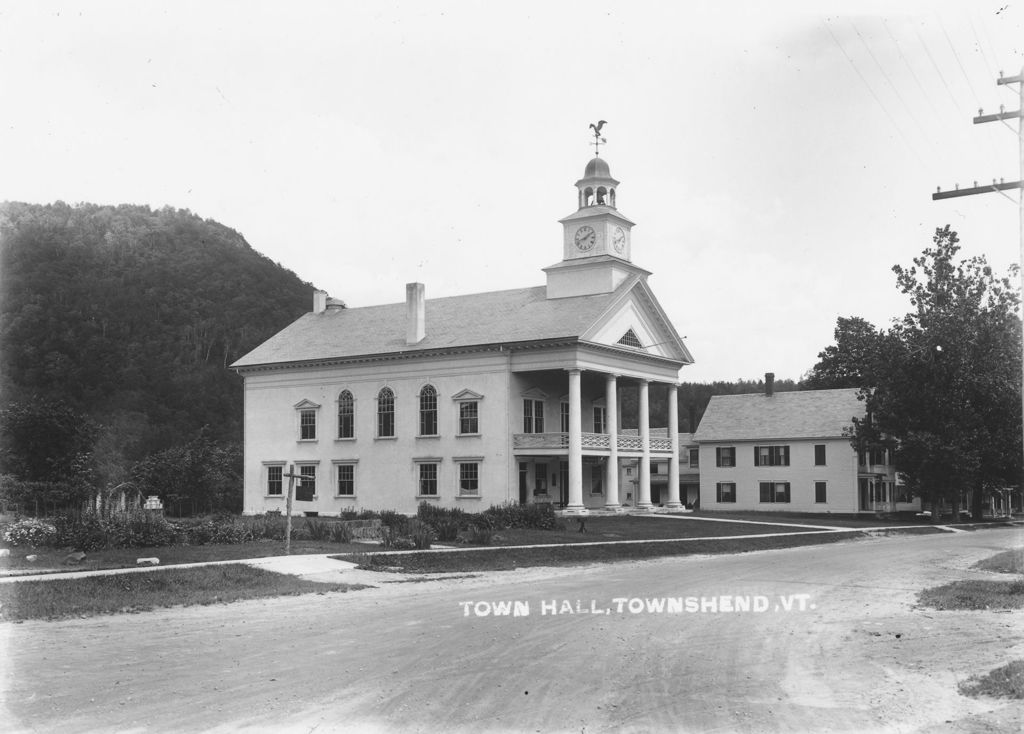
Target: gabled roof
[497, 317]
[784, 415]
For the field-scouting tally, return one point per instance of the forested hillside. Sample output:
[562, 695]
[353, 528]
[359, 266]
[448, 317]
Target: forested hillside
[130, 316]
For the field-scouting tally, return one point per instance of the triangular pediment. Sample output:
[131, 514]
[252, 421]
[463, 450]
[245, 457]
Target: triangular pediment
[306, 403]
[535, 393]
[467, 394]
[635, 322]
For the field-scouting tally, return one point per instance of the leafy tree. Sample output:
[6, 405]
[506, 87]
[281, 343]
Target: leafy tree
[201, 475]
[945, 379]
[844, 363]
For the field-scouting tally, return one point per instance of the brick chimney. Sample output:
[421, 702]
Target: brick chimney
[415, 313]
[769, 384]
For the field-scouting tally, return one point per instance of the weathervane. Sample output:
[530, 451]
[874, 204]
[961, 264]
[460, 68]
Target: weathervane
[598, 140]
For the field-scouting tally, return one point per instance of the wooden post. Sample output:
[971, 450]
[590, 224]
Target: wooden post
[288, 510]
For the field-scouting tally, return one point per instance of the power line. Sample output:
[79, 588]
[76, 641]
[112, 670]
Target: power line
[913, 74]
[877, 99]
[885, 76]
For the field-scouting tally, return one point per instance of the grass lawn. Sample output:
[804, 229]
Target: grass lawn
[1011, 561]
[121, 593]
[50, 559]
[973, 594]
[506, 559]
[1004, 682]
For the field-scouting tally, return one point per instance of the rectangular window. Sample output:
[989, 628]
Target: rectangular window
[597, 479]
[428, 480]
[819, 454]
[428, 411]
[346, 480]
[469, 418]
[533, 416]
[469, 478]
[564, 415]
[725, 456]
[307, 482]
[774, 491]
[771, 456]
[878, 456]
[307, 425]
[725, 492]
[600, 419]
[275, 483]
[694, 458]
[820, 492]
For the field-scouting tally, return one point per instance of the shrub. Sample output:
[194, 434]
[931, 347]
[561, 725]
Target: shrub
[269, 526]
[30, 532]
[396, 521]
[341, 533]
[421, 534]
[478, 535]
[367, 515]
[540, 516]
[319, 530]
[349, 513]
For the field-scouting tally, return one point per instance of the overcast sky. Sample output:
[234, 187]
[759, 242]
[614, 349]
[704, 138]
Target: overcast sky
[778, 158]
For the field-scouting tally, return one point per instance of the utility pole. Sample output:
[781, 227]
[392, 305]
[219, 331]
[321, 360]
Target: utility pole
[1000, 187]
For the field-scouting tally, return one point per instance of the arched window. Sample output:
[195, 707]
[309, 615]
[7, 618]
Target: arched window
[602, 192]
[385, 413]
[428, 411]
[346, 415]
[588, 196]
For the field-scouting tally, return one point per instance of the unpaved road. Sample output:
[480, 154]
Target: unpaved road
[404, 657]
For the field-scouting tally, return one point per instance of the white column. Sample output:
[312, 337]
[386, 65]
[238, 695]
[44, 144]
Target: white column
[644, 491]
[673, 434]
[611, 475]
[575, 444]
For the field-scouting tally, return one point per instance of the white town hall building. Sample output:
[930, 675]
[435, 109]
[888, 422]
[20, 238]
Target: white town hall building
[469, 401]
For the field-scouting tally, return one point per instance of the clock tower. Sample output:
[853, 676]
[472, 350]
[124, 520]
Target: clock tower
[596, 240]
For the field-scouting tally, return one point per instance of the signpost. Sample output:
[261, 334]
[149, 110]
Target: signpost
[292, 476]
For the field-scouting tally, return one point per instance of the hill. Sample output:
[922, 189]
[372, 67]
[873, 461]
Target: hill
[131, 316]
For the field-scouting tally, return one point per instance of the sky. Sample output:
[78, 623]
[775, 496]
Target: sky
[778, 158]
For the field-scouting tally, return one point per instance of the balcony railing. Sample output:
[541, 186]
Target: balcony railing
[590, 441]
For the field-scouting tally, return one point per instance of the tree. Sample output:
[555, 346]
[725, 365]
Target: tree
[945, 379]
[844, 363]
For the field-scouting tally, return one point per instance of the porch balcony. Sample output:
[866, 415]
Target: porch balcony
[593, 443]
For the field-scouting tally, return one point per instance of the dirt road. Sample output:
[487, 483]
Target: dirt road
[850, 654]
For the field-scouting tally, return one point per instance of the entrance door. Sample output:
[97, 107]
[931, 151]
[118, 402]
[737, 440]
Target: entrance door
[563, 483]
[524, 470]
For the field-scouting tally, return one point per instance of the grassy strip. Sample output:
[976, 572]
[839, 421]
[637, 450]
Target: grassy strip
[138, 592]
[1004, 682]
[1011, 561]
[974, 595]
[511, 558]
[51, 559]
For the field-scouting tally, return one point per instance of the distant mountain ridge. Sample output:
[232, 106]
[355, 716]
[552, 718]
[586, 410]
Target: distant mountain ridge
[132, 315]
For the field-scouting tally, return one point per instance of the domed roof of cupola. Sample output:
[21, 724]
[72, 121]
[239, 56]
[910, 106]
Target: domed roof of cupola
[597, 168]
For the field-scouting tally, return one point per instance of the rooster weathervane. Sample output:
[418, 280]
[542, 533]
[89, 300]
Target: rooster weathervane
[598, 140]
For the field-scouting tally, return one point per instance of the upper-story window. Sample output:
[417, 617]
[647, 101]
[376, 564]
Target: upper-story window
[819, 454]
[307, 411]
[600, 419]
[694, 458]
[346, 415]
[469, 417]
[725, 456]
[385, 413]
[771, 456]
[563, 414]
[307, 424]
[533, 416]
[428, 411]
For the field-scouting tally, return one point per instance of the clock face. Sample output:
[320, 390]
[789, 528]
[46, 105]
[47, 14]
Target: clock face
[619, 240]
[585, 238]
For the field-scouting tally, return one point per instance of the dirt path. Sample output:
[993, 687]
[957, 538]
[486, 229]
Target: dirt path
[406, 657]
